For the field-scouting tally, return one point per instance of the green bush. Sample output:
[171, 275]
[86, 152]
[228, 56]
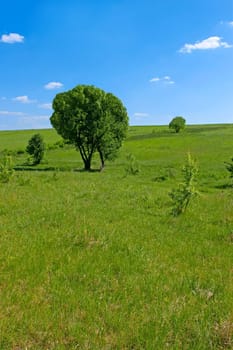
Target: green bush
[60, 144]
[229, 167]
[36, 148]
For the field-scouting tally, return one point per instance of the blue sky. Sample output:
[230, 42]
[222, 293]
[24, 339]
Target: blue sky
[161, 58]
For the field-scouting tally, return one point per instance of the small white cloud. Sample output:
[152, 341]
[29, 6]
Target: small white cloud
[213, 42]
[19, 114]
[170, 82]
[166, 80]
[45, 106]
[12, 38]
[228, 23]
[154, 80]
[23, 99]
[141, 115]
[53, 85]
[3, 98]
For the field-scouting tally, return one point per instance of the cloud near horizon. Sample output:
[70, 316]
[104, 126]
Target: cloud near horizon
[53, 85]
[18, 114]
[35, 117]
[35, 121]
[12, 38]
[141, 115]
[25, 116]
[213, 42]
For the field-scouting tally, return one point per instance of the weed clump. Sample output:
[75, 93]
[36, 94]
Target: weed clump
[132, 166]
[182, 195]
[6, 169]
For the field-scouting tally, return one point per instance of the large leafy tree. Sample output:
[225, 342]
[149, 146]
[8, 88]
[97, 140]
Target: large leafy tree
[91, 119]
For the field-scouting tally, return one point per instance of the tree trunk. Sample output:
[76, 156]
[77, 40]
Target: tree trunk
[87, 164]
[85, 157]
[102, 165]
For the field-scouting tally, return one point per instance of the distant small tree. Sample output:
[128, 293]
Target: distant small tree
[177, 124]
[36, 148]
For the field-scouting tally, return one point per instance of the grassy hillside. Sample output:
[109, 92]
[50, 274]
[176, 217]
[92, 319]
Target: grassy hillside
[96, 261]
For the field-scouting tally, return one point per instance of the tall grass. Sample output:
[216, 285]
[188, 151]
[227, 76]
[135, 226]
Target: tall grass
[96, 261]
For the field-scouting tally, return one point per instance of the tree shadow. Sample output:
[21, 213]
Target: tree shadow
[86, 171]
[224, 186]
[53, 169]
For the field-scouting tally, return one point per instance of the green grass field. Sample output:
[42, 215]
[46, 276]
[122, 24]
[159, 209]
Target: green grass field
[97, 261]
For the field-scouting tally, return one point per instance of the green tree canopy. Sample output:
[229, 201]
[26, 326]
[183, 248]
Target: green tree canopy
[91, 119]
[177, 124]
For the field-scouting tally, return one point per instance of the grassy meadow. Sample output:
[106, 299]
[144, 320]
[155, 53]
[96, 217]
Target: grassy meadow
[96, 260]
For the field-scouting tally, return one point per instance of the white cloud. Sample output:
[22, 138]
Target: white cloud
[154, 80]
[12, 38]
[18, 114]
[228, 23]
[141, 115]
[46, 105]
[166, 79]
[3, 98]
[23, 99]
[213, 42]
[53, 85]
